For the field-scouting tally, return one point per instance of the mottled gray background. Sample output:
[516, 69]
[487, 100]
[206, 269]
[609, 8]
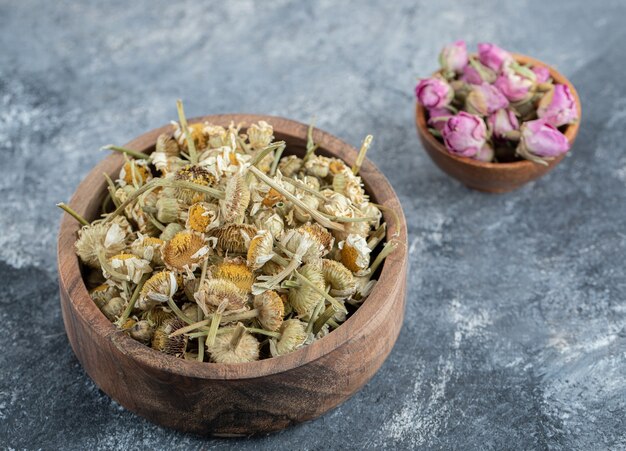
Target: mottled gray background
[515, 325]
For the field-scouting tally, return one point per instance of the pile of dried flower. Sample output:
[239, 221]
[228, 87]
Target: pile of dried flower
[492, 108]
[215, 247]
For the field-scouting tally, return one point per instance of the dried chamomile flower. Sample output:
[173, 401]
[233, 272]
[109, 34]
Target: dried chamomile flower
[236, 271]
[148, 248]
[310, 201]
[100, 237]
[171, 230]
[237, 198]
[158, 289]
[336, 204]
[336, 166]
[113, 308]
[290, 165]
[191, 311]
[292, 335]
[261, 249]
[234, 237]
[202, 217]
[355, 254]
[270, 221]
[237, 346]
[315, 239]
[168, 210]
[339, 277]
[272, 198]
[371, 211]
[128, 323]
[349, 185]
[217, 136]
[271, 268]
[131, 267]
[360, 228]
[167, 145]
[135, 173]
[304, 298]
[196, 175]
[271, 310]
[103, 293]
[185, 251]
[175, 345]
[317, 166]
[197, 135]
[158, 315]
[260, 135]
[142, 331]
[213, 292]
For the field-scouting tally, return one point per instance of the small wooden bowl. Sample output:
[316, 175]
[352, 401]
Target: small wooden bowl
[493, 177]
[234, 399]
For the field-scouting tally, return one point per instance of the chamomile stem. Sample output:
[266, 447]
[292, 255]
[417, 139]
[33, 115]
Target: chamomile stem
[69, 210]
[254, 330]
[215, 324]
[264, 152]
[394, 214]
[314, 213]
[200, 340]
[178, 312]
[304, 187]
[132, 300]
[367, 142]
[338, 305]
[323, 318]
[377, 236]
[191, 146]
[133, 153]
[387, 249]
[155, 223]
[311, 147]
[155, 183]
[204, 333]
[109, 269]
[111, 188]
[315, 314]
[277, 156]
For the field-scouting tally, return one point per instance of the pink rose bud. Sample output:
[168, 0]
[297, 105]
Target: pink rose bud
[485, 154]
[513, 85]
[477, 74]
[501, 122]
[437, 118]
[493, 56]
[542, 73]
[464, 134]
[434, 92]
[558, 106]
[453, 57]
[541, 139]
[485, 99]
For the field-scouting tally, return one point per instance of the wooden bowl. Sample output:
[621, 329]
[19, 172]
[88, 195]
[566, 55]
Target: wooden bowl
[234, 399]
[493, 177]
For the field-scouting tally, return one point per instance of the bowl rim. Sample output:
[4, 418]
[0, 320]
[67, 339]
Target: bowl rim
[570, 132]
[71, 280]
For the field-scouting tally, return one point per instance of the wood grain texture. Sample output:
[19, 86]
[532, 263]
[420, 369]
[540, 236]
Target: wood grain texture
[493, 177]
[234, 399]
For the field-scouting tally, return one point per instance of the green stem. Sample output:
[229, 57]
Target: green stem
[277, 156]
[69, 210]
[323, 319]
[254, 330]
[133, 153]
[367, 142]
[112, 190]
[387, 249]
[131, 302]
[178, 312]
[191, 146]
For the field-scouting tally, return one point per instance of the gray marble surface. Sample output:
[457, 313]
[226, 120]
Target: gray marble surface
[515, 333]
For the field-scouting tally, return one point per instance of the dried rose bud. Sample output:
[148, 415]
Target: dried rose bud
[485, 154]
[501, 122]
[434, 92]
[437, 118]
[464, 134]
[542, 73]
[514, 85]
[453, 58]
[493, 56]
[476, 73]
[558, 106]
[484, 99]
[541, 139]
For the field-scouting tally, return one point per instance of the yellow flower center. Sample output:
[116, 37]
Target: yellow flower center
[198, 220]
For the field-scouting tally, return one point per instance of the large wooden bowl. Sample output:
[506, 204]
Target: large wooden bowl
[493, 177]
[234, 399]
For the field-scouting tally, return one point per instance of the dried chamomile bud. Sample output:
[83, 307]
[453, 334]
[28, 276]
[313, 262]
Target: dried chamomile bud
[271, 310]
[355, 254]
[103, 293]
[311, 202]
[99, 237]
[339, 277]
[185, 251]
[236, 271]
[237, 346]
[202, 217]
[261, 249]
[131, 267]
[317, 166]
[290, 165]
[196, 175]
[260, 135]
[214, 292]
[237, 198]
[142, 331]
[161, 340]
[113, 308]
[158, 289]
[158, 315]
[360, 228]
[304, 297]
[167, 145]
[168, 210]
[171, 230]
[292, 336]
[270, 221]
[217, 136]
[234, 237]
[148, 248]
